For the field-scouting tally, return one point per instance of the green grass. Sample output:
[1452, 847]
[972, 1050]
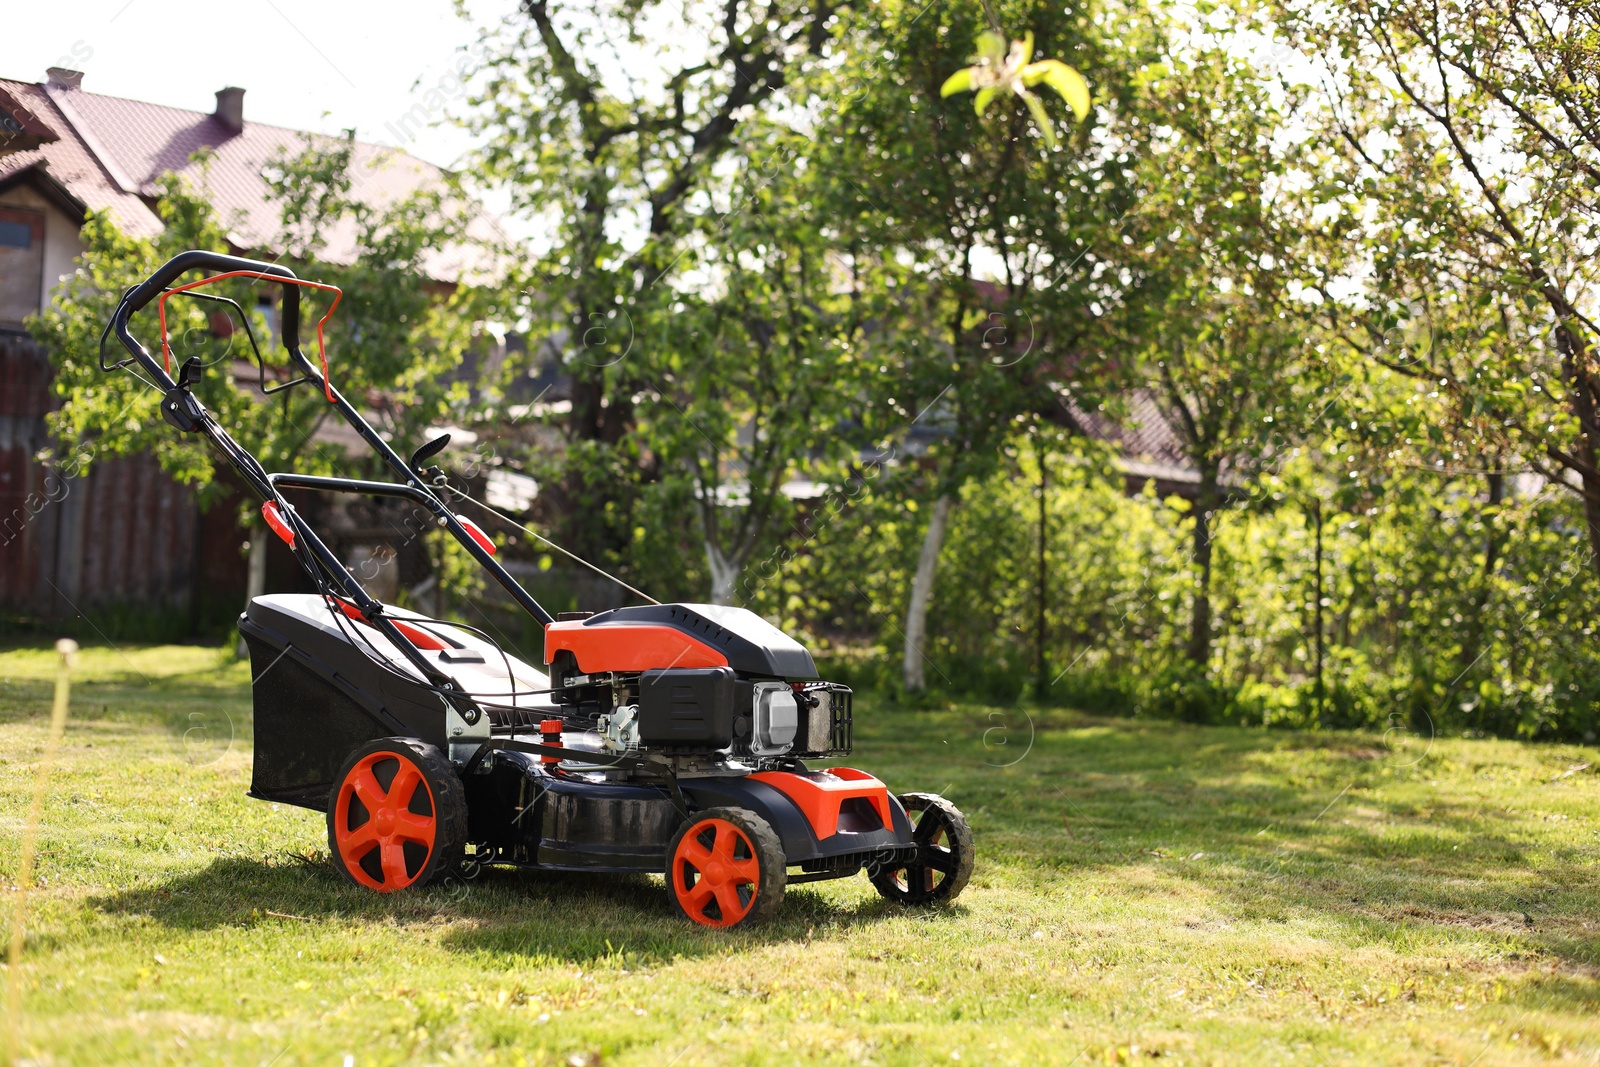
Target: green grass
[1198, 894]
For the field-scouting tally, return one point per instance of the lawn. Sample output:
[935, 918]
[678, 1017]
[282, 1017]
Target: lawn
[1143, 890]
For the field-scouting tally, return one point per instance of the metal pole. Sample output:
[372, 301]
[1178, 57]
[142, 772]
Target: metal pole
[1316, 511]
[1039, 684]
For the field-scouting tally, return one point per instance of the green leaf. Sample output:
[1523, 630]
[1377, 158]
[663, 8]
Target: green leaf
[959, 82]
[1042, 117]
[984, 96]
[1064, 80]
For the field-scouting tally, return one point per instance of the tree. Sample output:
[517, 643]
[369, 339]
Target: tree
[621, 165]
[1219, 344]
[1463, 152]
[761, 364]
[957, 196]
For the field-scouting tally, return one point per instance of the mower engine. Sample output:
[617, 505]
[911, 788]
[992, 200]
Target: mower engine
[706, 684]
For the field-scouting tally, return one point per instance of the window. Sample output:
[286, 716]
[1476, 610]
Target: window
[267, 304]
[15, 234]
[21, 263]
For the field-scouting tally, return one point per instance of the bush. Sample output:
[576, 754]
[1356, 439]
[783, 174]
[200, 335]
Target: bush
[1418, 629]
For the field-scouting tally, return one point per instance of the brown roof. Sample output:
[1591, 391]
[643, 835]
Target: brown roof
[71, 162]
[121, 148]
[20, 127]
[1143, 436]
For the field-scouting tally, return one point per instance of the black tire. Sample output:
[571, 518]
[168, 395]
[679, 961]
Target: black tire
[416, 838]
[944, 854]
[739, 893]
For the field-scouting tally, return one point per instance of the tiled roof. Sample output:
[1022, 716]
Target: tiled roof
[70, 161]
[1144, 436]
[135, 143]
[19, 127]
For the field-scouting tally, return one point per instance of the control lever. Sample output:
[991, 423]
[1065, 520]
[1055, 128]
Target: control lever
[189, 373]
[428, 451]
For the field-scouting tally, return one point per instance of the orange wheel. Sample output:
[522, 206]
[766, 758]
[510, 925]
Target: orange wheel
[725, 867]
[397, 816]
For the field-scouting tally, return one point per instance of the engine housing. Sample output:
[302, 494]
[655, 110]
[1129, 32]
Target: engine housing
[707, 680]
[656, 636]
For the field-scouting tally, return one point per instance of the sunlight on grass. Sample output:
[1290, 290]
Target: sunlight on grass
[1205, 895]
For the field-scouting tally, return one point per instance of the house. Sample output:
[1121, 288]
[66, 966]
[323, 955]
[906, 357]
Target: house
[123, 542]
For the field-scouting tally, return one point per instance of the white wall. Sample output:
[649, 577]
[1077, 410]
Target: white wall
[61, 242]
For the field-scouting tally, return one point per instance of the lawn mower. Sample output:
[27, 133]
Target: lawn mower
[659, 738]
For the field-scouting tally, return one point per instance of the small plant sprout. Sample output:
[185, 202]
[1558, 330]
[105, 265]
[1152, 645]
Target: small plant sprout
[997, 68]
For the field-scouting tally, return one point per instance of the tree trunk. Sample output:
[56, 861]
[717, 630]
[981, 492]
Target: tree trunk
[256, 584]
[1580, 387]
[724, 573]
[922, 592]
[1199, 650]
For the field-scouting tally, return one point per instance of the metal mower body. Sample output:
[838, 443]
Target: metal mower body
[664, 738]
[318, 696]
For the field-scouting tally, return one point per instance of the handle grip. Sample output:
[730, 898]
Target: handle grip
[182, 263]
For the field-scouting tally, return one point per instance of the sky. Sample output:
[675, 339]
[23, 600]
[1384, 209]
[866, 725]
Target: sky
[309, 64]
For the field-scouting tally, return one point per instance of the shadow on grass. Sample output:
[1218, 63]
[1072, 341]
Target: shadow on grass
[1234, 824]
[550, 915]
[1402, 846]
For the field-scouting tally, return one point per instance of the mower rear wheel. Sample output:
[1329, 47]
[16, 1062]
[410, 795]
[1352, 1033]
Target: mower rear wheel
[397, 816]
[944, 854]
[725, 868]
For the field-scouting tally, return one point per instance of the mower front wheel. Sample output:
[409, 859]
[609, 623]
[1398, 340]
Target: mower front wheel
[725, 868]
[944, 854]
[397, 816]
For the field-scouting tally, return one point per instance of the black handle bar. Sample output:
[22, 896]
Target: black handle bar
[184, 262]
[185, 412]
